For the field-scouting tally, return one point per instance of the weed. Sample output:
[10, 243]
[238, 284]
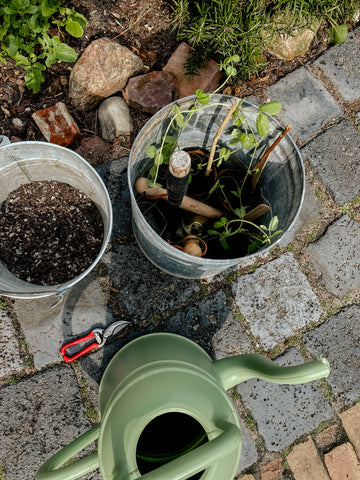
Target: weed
[25, 35]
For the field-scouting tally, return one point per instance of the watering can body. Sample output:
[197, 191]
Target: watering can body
[165, 374]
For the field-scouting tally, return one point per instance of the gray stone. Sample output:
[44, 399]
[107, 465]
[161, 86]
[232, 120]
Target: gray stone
[10, 361]
[276, 300]
[103, 69]
[115, 119]
[231, 339]
[114, 175]
[248, 450]
[285, 412]
[336, 255]
[46, 328]
[151, 92]
[145, 290]
[201, 320]
[334, 157]
[338, 340]
[341, 64]
[307, 106]
[39, 416]
[309, 211]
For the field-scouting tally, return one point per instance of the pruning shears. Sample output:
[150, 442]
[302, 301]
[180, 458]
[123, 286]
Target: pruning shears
[101, 335]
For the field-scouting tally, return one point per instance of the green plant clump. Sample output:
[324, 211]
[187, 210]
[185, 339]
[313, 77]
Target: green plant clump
[221, 28]
[25, 35]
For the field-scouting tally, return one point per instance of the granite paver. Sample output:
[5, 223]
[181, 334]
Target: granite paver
[276, 300]
[38, 416]
[284, 412]
[334, 157]
[338, 340]
[341, 64]
[335, 255]
[160, 292]
[307, 105]
[10, 361]
[82, 309]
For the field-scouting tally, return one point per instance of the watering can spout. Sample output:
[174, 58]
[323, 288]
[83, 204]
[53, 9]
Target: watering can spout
[237, 369]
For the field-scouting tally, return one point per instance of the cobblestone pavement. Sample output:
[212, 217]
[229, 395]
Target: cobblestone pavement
[299, 303]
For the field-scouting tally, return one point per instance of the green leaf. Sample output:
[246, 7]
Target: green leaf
[338, 33]
[224, 220]
[240, 212]
[46, 9]
[202, 97]
[230, 71]
[248, 140]
[224, 153]
[274, 222]
[262, 124]
[74, 28]
[151, 151]
[218, 225]
[224, 243]
[158, 160]
[236, 137]
[65, 53]
[271, 108]
[213, 232]
[170, 140]
[34, 77]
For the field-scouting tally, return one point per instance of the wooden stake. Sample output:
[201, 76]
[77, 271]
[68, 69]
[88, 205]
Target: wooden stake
[189, 204]
[259, 167]
[217, 136]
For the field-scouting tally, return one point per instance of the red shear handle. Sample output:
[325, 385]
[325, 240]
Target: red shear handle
[76, 342]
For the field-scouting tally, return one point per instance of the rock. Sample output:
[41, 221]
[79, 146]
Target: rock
[102, 70]
[151, 92]
[57, 125]
[93, 149]
[115, 118]
[208, 78]
[288, 47]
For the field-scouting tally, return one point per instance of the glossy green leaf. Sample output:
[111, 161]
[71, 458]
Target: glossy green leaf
[151, 151]
[262, 124]
[271, 108]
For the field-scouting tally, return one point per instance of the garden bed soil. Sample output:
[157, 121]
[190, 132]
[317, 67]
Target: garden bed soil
[50, 232]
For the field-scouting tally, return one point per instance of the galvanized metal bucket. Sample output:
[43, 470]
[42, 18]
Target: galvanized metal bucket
[283, 182]
[26, 162]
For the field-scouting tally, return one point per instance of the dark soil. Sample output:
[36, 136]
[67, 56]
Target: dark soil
[50, 232]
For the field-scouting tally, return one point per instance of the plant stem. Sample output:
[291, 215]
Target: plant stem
[263, 160]
[217, 136]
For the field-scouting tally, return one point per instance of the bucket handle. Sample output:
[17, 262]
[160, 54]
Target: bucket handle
[51, 470]
[181, 468]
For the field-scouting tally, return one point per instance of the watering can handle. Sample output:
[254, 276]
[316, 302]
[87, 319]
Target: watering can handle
[51, 470]
[237, 369]
[196, 460]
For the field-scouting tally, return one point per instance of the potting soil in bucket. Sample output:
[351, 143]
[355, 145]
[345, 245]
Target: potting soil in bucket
[280, 188]
[56, 219]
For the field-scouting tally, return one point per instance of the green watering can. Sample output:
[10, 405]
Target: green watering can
[165, 413]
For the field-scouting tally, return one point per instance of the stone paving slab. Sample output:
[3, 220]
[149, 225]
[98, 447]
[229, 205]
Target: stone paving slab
[114, 175]
[38, 416]
[341, 65]
[10, 361]
[276, 300]
[285, 412]
[338, 340]
[307, 105]
[334, 158]
[336, 256]
[145, 290]
[46, 328]
[231, 339]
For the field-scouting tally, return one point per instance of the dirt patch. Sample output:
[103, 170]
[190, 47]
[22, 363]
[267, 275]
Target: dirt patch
[50, 232]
